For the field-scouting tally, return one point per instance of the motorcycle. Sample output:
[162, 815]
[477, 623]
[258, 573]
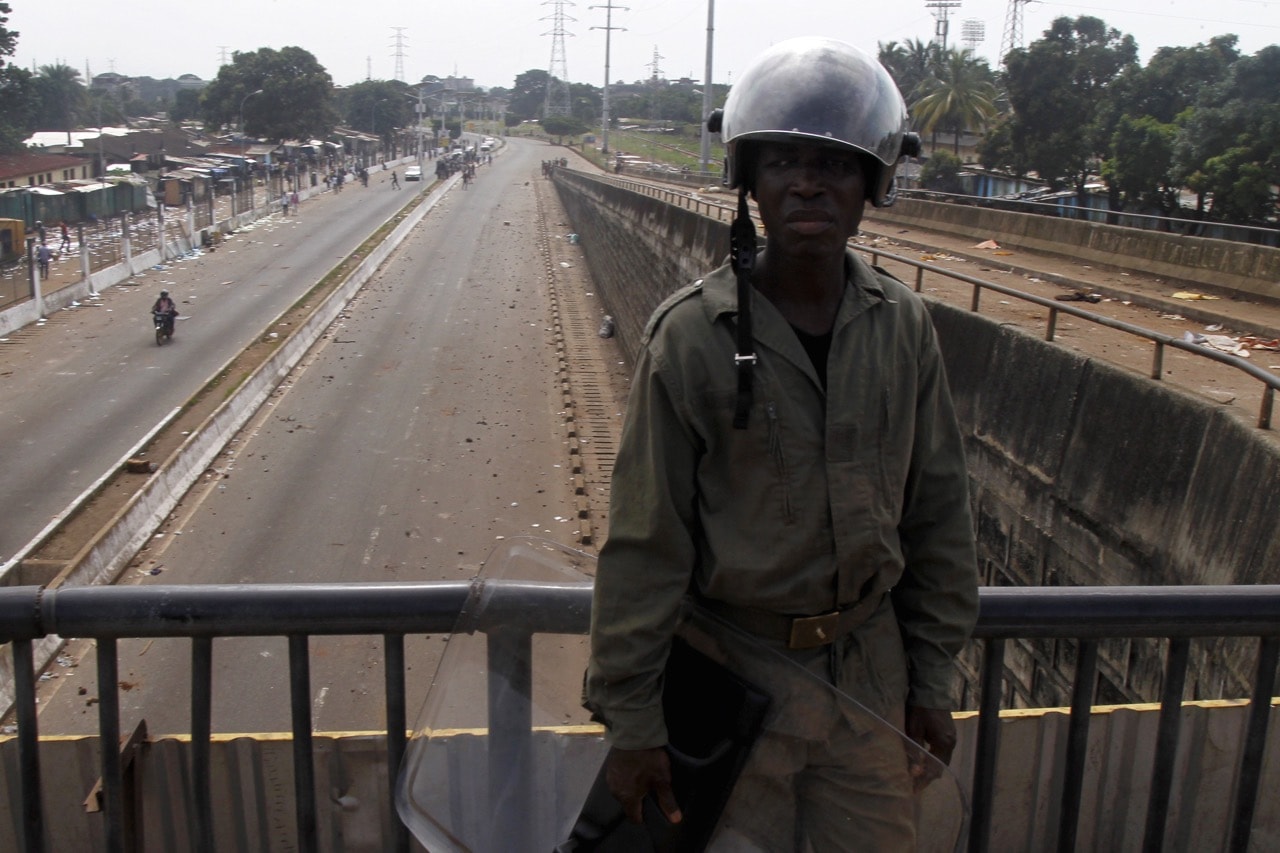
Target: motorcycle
[164, 326]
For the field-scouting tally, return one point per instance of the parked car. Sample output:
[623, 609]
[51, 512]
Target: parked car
[413, 173]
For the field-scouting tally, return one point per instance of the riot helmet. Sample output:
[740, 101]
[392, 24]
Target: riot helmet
[824, 90]
[163, 294]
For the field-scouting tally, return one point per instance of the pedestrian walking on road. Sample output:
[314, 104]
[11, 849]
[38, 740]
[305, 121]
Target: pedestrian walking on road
[395, 181]
[284, 203]
[65, 245]
[43, 255]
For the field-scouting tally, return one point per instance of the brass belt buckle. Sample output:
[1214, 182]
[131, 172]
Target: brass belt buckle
[810, 632]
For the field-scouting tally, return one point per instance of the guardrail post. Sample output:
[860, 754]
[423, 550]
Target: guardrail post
[304, 775]
[984, 770]
[29, 797]
[510, 727]
[1255, 744]
[1167, 734]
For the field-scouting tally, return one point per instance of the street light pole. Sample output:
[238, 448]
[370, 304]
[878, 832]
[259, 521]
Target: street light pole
[704, 154]
[244, 145]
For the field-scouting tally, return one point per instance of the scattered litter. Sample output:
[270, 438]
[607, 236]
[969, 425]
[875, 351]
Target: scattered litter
[606, 327]
[573, 238]
[1192, 296]
[1216, 327]
[1178, 317]
[1079, 296]
[1255, 342]
[565, 264]
[987, 244]
[1222, 343]
[1002, 252]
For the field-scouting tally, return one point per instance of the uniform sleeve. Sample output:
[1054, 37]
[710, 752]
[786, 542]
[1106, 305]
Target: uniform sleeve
[645, 566]
[936, 599]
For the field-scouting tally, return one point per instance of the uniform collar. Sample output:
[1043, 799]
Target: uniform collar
[862, 291]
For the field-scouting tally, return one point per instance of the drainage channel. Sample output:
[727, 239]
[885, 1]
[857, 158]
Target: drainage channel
[592, 374]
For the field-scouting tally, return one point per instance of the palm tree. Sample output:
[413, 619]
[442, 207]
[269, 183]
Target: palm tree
[959, 94]
[60, 97]
[911, 63]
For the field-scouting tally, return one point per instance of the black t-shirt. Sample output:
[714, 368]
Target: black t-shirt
[817, 346]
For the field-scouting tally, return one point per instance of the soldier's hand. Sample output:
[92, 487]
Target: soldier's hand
[934, 729]
[633, 773]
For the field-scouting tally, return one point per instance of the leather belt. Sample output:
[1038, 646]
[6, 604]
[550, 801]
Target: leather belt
[798, 632]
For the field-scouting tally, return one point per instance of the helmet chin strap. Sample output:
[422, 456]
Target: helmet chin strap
[742, 256]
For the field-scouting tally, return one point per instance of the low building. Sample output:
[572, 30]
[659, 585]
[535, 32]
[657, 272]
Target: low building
[33, 170]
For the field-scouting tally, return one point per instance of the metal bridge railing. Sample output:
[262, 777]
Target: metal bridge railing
[723, 211]
[391, 610]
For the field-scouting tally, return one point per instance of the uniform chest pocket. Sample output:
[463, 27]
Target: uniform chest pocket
[869, 459]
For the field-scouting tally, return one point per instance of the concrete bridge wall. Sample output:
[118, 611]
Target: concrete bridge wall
[1226, 268]
[1082, 473]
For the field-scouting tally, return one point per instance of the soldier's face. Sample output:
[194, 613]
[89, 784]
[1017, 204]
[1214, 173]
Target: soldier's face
[811, 196]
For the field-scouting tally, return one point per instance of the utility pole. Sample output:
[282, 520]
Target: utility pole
[943, 25]
[608, 33]
[704, 151]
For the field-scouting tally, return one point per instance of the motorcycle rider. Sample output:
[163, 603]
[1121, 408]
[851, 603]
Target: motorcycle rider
[164, 305]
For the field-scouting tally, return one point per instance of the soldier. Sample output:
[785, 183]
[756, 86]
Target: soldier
[791, 462]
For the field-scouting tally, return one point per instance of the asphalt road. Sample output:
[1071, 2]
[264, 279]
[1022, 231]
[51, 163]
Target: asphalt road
[421, 433]
[92, 381]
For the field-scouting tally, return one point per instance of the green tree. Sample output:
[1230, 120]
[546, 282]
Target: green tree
[378, 106]
[296, 100]
[1138, 114]
[60, 97]
[910, 64]
[1140, 163]
[562, 126]
[528, 94]
[16, 95]
[1055, 88]
[960, 94]
[1227, 146]
[186, 105]
[941, 173]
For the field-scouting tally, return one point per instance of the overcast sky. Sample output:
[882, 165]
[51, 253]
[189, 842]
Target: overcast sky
[492, 41]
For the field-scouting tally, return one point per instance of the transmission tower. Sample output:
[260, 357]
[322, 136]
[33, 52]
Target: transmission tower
[1012, 39]
[222, 54]
[398, 43]
[557, 102]
[943, 25]
[654, 66]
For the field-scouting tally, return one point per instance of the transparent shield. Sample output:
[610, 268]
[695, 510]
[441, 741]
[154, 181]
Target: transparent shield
[504, 759]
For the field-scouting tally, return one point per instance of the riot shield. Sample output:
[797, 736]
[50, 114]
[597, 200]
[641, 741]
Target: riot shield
[504, 759]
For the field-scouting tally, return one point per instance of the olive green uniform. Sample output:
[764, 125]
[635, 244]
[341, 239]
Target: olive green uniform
[830, 496]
